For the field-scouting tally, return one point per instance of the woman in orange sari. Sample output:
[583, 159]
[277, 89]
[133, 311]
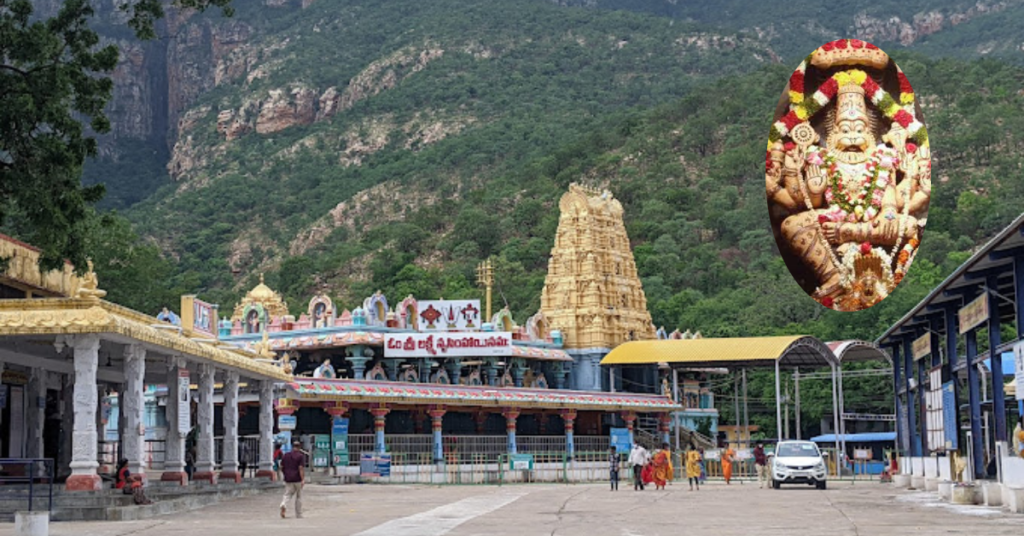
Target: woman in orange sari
[728, 455]
[662, 466]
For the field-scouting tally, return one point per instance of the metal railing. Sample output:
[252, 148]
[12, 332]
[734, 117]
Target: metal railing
[419, 448]
[37, 473]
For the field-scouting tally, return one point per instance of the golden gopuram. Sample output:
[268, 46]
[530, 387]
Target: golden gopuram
[592, 293]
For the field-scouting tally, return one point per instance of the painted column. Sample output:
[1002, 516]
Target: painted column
[558, 370]
[335, 410]
[1018, 294]
[392, 367]
[204, 414]
[84, 441]
[359, 361]
[35, 412]
[379, 413]
[229, 448]
[663, 422]
[491, 366]
[436, 420]
[569, 418]
[265, 468]
[174, 448]
[630, 418]
[952, 329]
[974, 401]
[454, 366]
[518, 370]
[511, 415]
[133, 409]
[996, 358]
[912, 405]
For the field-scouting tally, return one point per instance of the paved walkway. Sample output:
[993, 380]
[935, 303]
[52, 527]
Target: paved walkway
[574, 510]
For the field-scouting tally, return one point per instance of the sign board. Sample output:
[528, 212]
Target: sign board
[449, 315]
[372, 464]
[933, 410]
[904, 423]
[184, 402]
[744, 454]
[949, 416]
[713, 454]
[491, 344]
[321, 450]
[862, 454]
[1018, 370]
[285, 440]
[520, 462]
[339, 441]
[287, 422]
[620, 440]
[922, 346]
[974, 313]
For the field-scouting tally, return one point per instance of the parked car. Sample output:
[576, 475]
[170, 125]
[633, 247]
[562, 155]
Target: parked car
[798, 462]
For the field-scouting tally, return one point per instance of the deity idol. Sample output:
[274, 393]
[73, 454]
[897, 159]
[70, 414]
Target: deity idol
[848, 215]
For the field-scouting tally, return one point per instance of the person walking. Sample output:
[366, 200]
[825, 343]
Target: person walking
[662, 467]
[728, 456]
[761, 465]
[613, 462]
[693, 468]
[637, 460]
[293, 466]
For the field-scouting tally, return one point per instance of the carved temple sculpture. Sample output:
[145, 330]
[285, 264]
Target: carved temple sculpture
[592, 293]
[848, 175]
[258, 306]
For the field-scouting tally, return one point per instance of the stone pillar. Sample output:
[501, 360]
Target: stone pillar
[204, 414]
[133, 409]
[84, 453]
[630, 418]
[67, 422]
[511, 415]
[491, 366]
[558, 371]
[379, 413]
[174, 448]
[359, 361]
[265, 468]
[569, 417]
[454, 366]
[229, 454]
[663, 426]
[436, 419]
[36, 412]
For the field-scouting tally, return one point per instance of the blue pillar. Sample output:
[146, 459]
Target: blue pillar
[510, 425]
[952, 329]
[378, 425]
[912, 406]
[569, 418]
[974, 400]
[1018, 294]
[998, 394]
[436, 420]
[897, 383]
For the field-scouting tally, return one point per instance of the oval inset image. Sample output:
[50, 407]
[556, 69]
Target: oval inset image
[848, 175]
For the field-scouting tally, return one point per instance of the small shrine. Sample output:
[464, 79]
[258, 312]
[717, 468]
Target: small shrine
[260, 305]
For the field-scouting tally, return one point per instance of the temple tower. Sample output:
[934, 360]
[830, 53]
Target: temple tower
[592, 292]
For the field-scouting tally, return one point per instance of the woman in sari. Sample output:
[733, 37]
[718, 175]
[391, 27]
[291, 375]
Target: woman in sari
[693, 468]
[662, 467]
[728, 456]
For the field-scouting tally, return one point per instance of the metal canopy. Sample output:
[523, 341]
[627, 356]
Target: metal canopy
[745, 352]
[965, 283]
[855, 351]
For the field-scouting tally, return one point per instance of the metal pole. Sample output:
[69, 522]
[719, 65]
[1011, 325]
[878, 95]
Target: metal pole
[778, 405]
[796, 387]
[787, 410]
[746, 412]
[835, 419]
[974, 401]
[996, 358]
[842, 408]
[736, 408]
[675, 398]
[611, 379]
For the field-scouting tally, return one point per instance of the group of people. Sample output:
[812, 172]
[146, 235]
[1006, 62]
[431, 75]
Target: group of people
[655, 469]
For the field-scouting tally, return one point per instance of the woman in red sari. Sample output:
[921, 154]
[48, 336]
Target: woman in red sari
[662, 467]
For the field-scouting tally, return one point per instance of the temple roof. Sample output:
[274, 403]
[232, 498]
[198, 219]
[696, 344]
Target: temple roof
[263, 295]
[464, 395]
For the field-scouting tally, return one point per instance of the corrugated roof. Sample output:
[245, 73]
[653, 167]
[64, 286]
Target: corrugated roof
[856, 438]
[855, 350]
[792, 350]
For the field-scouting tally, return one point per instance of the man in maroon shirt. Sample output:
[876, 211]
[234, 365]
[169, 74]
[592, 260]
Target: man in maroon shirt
[761, 464]
[293, 466]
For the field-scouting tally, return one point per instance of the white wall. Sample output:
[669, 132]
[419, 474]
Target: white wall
[931, 467]
[917, 466]
[1013, 471]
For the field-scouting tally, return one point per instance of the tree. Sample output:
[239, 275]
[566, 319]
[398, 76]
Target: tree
[52, 84]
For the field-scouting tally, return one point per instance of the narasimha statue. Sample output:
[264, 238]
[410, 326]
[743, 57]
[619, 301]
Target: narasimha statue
[848, 175]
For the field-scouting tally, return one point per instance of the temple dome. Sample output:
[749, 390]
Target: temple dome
[265, 296]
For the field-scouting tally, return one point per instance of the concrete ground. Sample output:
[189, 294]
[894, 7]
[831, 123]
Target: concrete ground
[574, 510]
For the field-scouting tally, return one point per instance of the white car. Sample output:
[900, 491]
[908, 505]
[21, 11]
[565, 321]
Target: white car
[798, 462]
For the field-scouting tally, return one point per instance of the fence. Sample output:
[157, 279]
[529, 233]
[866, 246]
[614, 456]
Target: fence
[15, 473]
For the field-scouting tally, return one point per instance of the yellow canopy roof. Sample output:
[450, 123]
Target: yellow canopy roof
[792, 350]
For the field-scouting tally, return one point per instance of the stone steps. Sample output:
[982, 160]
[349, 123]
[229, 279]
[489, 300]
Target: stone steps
[113, 505]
